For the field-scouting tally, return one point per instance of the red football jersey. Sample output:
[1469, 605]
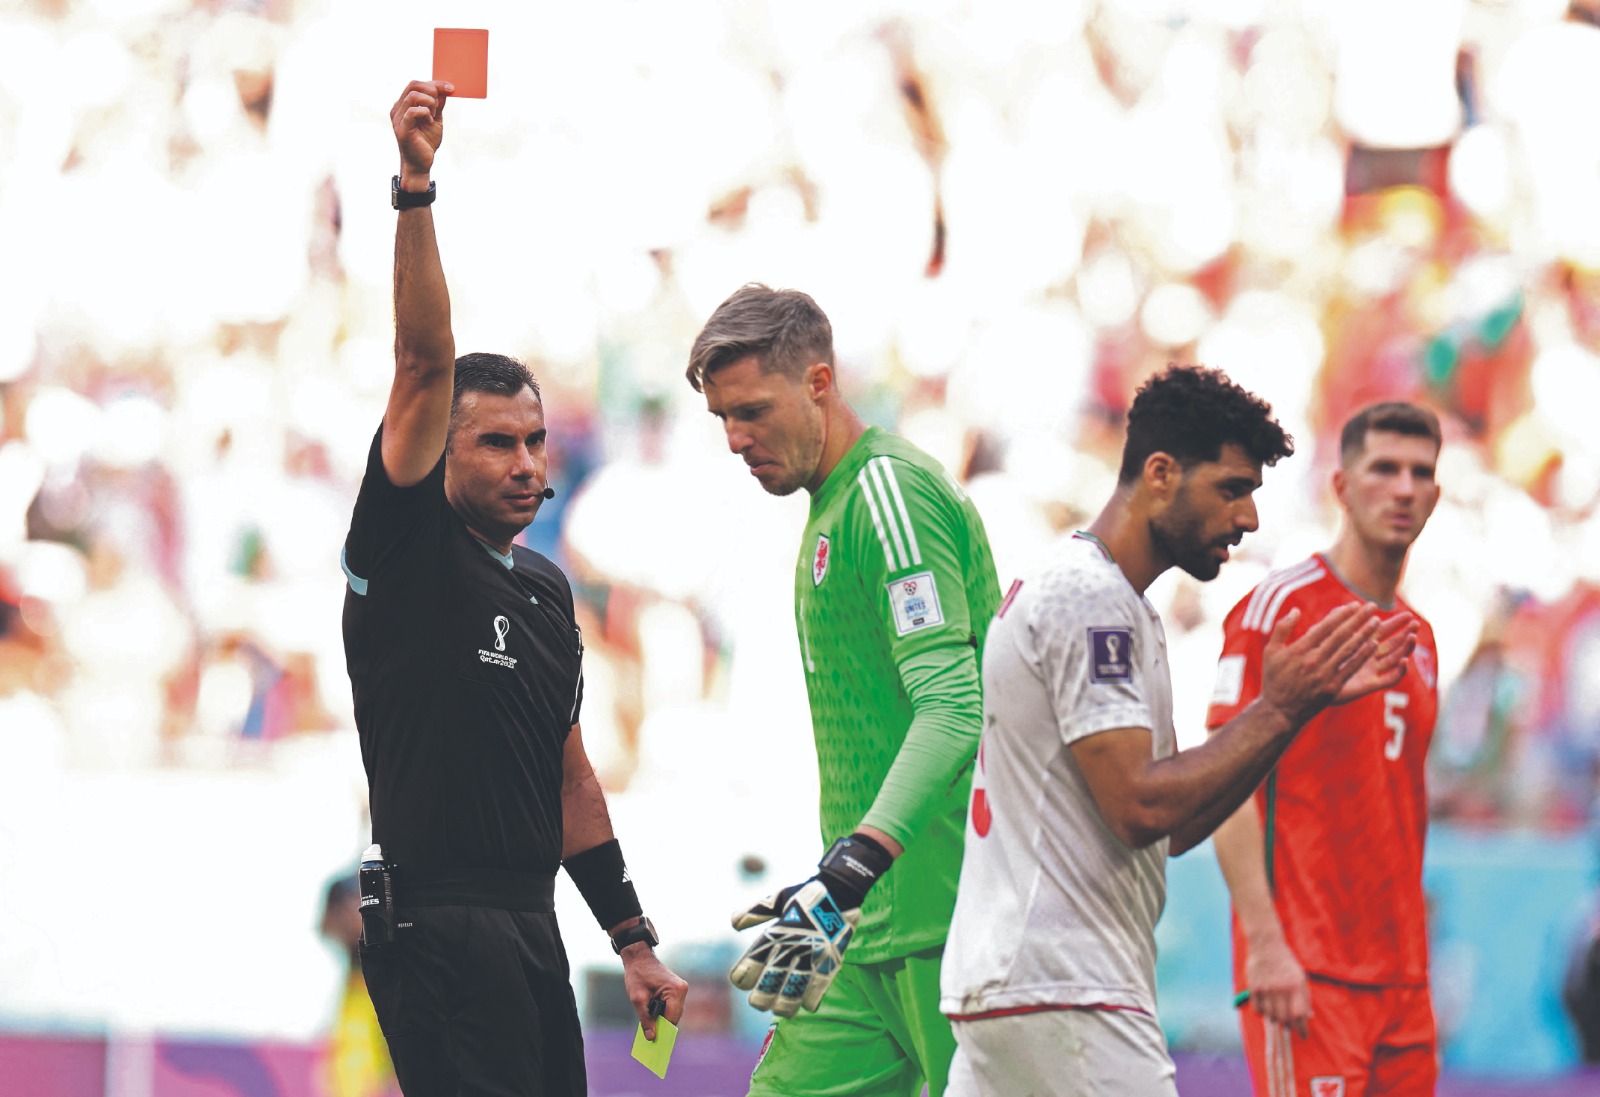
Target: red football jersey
[1346, 810]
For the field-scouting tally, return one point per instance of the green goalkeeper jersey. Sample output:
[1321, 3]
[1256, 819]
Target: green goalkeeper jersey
[894, 591]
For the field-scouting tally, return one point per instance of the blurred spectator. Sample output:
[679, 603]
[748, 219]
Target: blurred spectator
[1013, 214]
[1551, 67]
[1396, 93]
[357, 1063]
[1471, 750]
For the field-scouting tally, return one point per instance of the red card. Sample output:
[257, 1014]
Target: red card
[461, 57]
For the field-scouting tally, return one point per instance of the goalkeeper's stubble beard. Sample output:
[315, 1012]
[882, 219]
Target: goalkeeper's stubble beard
[801, 464]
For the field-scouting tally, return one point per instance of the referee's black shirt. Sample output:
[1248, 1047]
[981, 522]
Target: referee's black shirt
[467, 677]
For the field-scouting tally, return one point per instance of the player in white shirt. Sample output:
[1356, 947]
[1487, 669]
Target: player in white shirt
[1080, 795]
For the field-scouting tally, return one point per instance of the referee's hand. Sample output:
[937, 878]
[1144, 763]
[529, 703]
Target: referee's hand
[647, 978]
[418, 120]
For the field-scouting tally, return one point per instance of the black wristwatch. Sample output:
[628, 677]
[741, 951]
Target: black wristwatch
[405, 199]
[645, 931]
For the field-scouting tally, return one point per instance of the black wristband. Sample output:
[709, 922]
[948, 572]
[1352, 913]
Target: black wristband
[602, 880]
[405, 199]
[850, 868]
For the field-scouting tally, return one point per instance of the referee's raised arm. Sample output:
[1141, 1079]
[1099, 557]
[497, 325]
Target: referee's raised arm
[417, 420]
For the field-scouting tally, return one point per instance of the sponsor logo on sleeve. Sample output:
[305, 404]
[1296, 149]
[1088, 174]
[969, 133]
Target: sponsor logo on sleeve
[1230, 680]
[819, 561]
[1110, 654]
[914, 600]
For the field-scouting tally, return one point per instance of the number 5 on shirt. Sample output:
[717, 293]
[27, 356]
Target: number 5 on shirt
[1393, 702]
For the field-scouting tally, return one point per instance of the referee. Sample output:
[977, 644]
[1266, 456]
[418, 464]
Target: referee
[467, 673]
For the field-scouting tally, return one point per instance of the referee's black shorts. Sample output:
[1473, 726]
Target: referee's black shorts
[476, 1001]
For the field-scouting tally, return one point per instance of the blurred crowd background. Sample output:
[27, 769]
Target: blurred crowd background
[1013, 212]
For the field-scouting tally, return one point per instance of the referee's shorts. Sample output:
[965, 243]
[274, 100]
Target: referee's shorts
[474, 996]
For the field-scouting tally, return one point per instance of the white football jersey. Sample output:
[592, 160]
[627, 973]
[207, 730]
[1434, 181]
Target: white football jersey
[1053, 909]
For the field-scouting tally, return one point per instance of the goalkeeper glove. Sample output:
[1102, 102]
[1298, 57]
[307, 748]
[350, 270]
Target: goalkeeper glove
[796, 958]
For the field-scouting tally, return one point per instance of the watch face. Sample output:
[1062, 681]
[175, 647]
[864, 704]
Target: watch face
[644, 931]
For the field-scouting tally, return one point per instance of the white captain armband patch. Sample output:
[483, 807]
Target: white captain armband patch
[914, 601]
[1230, 680]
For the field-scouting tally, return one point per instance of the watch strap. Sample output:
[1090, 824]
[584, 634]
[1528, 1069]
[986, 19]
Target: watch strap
[405, 199]
[644, 931]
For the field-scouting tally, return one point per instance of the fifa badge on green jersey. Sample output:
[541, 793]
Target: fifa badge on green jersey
[914, 599]
[819, 562]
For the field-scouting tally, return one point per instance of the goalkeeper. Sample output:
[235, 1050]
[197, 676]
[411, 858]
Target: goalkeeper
[894, 590]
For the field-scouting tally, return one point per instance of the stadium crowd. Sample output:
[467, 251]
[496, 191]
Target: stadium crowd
[1013, 213]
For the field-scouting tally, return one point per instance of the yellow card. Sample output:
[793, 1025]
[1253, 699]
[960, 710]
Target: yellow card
[655, 1055]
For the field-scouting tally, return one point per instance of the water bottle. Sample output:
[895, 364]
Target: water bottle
[377, 899]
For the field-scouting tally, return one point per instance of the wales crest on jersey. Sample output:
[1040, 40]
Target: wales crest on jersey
[819, 562]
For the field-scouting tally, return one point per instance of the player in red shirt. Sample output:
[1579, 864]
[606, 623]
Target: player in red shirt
[1324, 862]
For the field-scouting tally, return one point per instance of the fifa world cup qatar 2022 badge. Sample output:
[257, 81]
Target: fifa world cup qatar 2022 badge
[819, 561]
[1110, 654]
[498, 657]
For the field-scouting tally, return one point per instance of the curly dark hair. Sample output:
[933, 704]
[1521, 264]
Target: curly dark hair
[1190, 413]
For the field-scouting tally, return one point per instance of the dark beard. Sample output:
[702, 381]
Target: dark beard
[1176, 536]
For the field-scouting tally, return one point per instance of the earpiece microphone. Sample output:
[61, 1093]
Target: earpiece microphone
[548, 493]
